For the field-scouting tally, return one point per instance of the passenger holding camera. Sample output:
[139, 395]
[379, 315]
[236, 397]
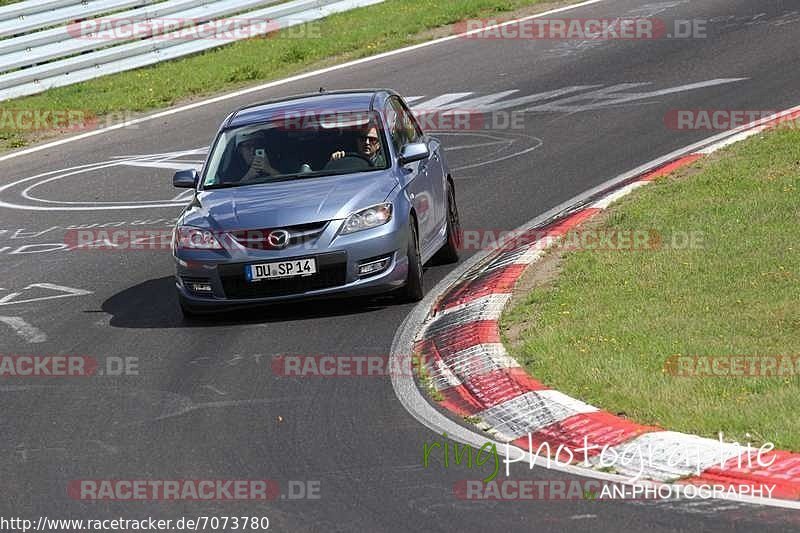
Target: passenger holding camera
[255, 159]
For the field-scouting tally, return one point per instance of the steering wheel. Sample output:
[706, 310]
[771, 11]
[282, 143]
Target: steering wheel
[343, 163]
[360, 156]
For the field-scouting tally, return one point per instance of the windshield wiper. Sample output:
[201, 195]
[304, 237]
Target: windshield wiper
[221, 186]
[282, 177]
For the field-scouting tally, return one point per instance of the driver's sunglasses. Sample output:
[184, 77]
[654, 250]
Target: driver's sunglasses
[370, 139]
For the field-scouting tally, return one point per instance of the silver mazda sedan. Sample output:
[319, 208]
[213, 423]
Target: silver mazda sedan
[335, 193]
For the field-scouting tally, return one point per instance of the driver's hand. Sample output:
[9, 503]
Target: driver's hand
[337, 155]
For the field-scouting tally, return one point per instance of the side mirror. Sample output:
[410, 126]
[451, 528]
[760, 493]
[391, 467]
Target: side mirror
[185, 179]
[414, 152]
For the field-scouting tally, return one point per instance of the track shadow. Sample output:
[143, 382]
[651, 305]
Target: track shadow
[154, 304]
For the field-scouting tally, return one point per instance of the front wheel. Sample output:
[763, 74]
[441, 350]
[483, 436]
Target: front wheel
[449, 252]
[413, 290]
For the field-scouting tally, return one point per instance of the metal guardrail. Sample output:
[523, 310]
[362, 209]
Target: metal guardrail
[80, 10]
[60, 42]
[56, 57]
[30, 7]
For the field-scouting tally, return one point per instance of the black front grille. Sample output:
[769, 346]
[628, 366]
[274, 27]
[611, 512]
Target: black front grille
[188, 282]
[331, 272]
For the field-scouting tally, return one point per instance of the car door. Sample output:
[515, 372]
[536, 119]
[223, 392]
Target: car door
[416, 175]
[435, 170]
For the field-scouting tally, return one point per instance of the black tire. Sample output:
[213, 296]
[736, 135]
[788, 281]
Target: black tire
[413, 290]
[448, 253]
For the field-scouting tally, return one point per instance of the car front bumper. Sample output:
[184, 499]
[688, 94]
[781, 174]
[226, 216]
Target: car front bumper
[338, 258]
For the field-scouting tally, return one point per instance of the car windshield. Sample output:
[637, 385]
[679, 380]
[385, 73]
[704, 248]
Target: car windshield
[299, 146]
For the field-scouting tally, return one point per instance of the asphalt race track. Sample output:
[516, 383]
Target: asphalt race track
[205, 403]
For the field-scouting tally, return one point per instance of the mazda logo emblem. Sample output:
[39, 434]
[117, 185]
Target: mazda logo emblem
[278, 238]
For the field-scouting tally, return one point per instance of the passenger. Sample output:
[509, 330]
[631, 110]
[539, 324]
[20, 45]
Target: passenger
[252, 151]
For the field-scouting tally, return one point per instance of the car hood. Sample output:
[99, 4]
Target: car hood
[288, 203]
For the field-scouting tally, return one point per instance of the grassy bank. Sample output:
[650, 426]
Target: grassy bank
[604, 328]
[358, 33]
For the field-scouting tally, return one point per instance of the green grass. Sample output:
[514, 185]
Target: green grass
[6, 2]
[424, 378]
[603, 330]
[358, 33]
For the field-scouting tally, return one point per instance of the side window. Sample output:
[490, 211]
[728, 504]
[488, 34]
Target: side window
[401, 125]
[412, 128]
[392, 124]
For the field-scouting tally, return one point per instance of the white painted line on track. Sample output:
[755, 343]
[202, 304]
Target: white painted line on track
[613, 197]
[28, 332]
[66, 292]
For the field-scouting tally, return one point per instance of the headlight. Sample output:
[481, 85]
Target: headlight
[191, 238]
[377, 215]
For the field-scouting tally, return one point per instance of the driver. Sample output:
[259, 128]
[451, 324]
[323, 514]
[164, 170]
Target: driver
[369, 146]
[254, 155]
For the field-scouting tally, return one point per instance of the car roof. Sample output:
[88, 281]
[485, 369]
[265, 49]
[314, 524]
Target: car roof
[339, 101]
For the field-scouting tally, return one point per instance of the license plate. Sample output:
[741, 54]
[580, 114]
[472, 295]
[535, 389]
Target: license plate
[281, 269]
